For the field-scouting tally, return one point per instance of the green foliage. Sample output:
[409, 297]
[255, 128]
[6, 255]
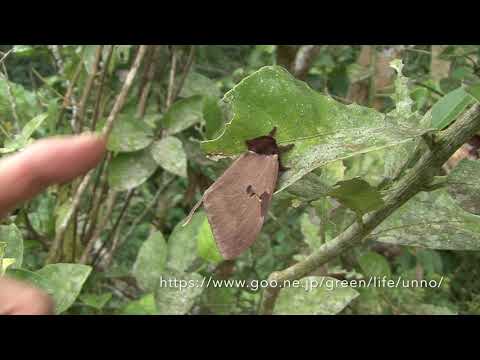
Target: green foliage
[346, 159]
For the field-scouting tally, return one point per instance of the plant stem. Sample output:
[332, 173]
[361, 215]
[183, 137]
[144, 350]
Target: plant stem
[119, 102]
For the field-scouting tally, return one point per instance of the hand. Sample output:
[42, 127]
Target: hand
[24, 175]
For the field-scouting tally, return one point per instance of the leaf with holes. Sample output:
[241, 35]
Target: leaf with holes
[322, 129]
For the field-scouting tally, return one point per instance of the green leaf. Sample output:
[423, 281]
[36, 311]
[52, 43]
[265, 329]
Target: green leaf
[32, 126]
[97, 301]
[129, 170]
[430, 260]
[326, 297]
[151, 260]
[129, 134]
[183, 114]
[431, 220]
[221, 300]
[21, 140]
[170, 155]
[12, 237]
[403, 101]
[474, 90]
[374, 264]
[182, 243]
[23, 50]
[322, 129]
[64, 282]
[207, 247]
[143, 306]
[449, 107]
[428, 309]
[310, 225]
[198, 84]
[358, 195]
[28, 276]
[5, 263]
[178, 299]
[464, 186]
[213, 115]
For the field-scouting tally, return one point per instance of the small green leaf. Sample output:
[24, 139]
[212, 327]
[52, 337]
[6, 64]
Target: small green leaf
[5, 263]
[474, 90]
[143, 306]
[374, 264]
[170, 155]
[198, 84]
[358, 195]
[129, 170]
[183, 114]
[23, 50]
[129, 134]
[97, 301]
[12, 237]
[182, 243]
[327, 296]
[430, 260]
[64, 282]
[151, 260]
[207, 247]
[177, 292]
[449, 107]
[21, 140]
[310, 225]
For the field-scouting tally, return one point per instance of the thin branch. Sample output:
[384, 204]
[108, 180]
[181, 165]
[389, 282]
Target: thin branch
[171, 82]
[98, 193]
[119, 102]
[186, 70]
[88, 89]
[124, 92]
[112, 197]
[447, 142]
[116, 227]
[96, 111]
[145, 90]
[149, 207]
[304, 60]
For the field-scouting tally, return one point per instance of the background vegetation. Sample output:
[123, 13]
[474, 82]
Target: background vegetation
[383, 178]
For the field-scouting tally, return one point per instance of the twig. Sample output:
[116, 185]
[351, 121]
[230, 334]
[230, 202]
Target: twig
[145, 90]
[116, 227]
[98, 192]
[147, 209]
[186, 70]
[96, 111]
[119, 102]
[87, 89]
[112, 197]
[304, 60]
[407, 186]
[171, 81]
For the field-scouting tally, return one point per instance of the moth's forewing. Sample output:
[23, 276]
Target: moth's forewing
[236, 214]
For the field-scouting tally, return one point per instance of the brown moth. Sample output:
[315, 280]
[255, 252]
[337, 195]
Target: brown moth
[237, 203]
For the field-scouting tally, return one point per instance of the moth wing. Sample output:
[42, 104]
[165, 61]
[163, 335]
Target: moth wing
[236, 216]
